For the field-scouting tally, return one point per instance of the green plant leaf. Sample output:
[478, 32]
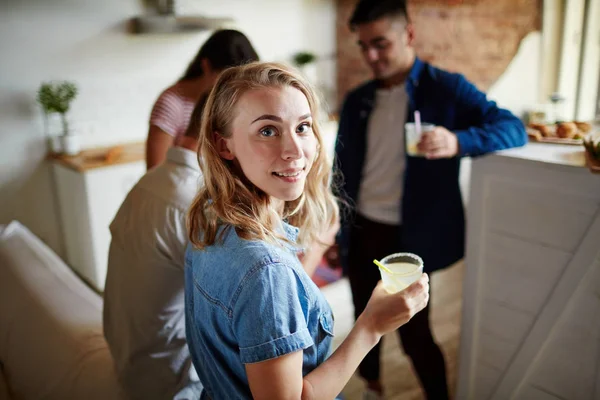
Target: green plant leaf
[304, 57]
[56, 97]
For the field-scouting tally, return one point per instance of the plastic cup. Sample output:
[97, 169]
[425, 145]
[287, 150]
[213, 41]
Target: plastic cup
[413, 137]
[404, 269]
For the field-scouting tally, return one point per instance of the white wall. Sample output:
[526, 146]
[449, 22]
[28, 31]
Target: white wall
[518, 88]
[119, 75]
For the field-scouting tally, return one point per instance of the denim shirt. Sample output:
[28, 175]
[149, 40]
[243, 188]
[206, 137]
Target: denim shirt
[250, 301]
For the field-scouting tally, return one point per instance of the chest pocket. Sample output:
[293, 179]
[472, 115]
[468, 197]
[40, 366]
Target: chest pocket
[325, 335]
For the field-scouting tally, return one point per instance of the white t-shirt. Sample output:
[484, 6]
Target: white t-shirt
[144, 319]
[380, 192]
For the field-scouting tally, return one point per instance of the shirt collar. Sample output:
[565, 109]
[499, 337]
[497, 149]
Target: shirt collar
[291, 232]
[370, 89]
[415, 71]
[183, 156]
[393, 91]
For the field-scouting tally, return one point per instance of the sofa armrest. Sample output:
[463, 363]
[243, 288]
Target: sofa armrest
[51, 339]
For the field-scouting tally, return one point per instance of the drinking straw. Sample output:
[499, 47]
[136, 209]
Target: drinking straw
[380, 265]
[383, 267]
[418, 122]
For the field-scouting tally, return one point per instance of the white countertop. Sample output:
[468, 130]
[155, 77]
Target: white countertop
[561, 154]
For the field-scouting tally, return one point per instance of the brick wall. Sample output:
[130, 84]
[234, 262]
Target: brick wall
[477, 38]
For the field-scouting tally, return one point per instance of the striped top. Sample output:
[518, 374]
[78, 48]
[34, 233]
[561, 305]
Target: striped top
[172, 111]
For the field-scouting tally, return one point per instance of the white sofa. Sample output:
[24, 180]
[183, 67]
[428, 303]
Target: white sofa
[51, 341]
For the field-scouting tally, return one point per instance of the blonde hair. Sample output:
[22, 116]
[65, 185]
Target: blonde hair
[227, 196]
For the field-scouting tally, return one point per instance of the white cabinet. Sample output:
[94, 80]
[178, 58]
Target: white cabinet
[531, 306]
[88, 198]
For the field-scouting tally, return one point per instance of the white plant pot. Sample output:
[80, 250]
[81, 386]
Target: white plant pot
[70, 145]
[55, 144]
[53, 124]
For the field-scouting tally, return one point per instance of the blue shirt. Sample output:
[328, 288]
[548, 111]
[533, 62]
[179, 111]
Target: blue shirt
[250, 301]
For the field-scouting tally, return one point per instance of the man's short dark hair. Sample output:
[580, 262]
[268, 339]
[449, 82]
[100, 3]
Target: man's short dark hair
[371, 10]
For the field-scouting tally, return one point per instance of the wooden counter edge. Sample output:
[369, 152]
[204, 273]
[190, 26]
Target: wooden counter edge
[94, 158]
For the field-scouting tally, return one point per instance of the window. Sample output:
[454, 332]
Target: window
[571, 56]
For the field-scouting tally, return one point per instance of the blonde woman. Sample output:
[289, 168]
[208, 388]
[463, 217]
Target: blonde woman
[257, 326]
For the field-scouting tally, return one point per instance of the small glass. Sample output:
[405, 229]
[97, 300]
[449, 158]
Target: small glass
[413, 138]
[404, 269]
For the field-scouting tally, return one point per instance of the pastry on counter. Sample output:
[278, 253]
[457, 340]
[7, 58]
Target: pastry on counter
[533, 133]
[584, 127]
[567, 130]
[113, 154]
[544, 130]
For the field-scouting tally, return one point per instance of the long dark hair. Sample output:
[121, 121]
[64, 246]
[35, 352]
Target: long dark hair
[223, 49]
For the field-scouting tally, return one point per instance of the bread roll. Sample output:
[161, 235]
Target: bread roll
[545, 130]
[566, 130]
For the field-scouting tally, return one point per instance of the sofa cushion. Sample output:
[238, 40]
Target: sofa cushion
[51, 340]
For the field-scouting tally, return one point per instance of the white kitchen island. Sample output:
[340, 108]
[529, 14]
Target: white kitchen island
[531, 304]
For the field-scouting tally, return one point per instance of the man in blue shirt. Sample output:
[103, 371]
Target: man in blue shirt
[401, 202]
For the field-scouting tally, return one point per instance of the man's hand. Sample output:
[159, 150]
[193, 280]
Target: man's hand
[313, 255]
[438, 143]
[332, 255]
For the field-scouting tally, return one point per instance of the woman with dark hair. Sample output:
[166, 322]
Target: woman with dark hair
[172, 111]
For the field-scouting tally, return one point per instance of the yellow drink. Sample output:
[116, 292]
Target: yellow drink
[401, 270]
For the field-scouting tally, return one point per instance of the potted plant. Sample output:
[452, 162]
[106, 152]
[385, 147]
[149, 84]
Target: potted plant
[56, 98]
[592, 151]
[306, 62]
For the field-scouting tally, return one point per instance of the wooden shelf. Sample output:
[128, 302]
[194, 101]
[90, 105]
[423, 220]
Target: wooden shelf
[102, 157]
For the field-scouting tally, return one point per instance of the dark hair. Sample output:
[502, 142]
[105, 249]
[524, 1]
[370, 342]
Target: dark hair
[193, 129]
[371, 10]
[223, 49]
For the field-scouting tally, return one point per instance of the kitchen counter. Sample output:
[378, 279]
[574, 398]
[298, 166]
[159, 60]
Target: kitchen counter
[90, 188]
[531, 301]
[559, 154]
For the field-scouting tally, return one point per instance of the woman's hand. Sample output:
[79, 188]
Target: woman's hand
[386, 312]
